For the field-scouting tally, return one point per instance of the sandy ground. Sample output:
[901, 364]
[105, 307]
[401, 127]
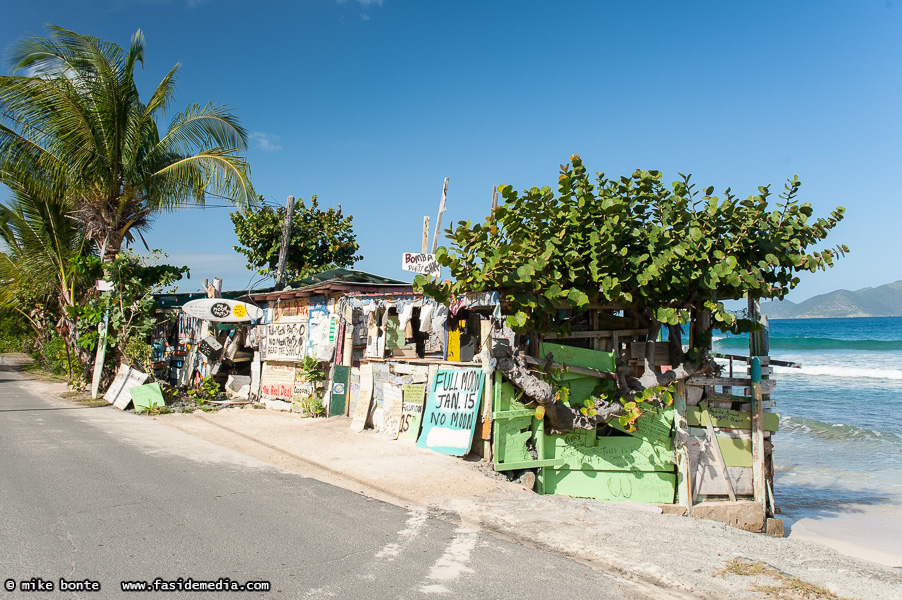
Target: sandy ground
[665, 556]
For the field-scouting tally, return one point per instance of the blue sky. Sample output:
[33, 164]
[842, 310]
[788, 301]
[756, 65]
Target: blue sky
[372, 103]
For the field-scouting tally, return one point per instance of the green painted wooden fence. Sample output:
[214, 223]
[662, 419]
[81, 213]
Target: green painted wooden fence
[620, 466]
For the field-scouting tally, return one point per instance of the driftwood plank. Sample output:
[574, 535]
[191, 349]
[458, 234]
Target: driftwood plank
[715, 451]
[732, 419]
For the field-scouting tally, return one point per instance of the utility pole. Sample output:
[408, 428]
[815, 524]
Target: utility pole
[438, 220]
[286, 239]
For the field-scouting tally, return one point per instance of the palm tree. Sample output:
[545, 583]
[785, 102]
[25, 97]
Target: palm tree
[37, 276]
[73, 117]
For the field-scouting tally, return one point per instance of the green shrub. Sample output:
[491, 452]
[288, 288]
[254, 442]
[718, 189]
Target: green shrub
[52, 357]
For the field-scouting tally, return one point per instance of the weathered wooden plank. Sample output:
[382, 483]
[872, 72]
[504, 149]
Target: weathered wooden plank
[732, 419]
[714, 397]
[718, 457]
[680, 439]
[764, 360]
[596, 334]
[757, 434]
[364, 400]
[707, 480]
[662, 352]
[702, 380]
[637, 486]
[735, 446]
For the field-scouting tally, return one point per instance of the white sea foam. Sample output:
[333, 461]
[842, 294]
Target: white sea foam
[841, 371]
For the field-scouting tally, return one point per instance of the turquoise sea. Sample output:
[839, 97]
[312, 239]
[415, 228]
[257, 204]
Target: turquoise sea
[839, 448]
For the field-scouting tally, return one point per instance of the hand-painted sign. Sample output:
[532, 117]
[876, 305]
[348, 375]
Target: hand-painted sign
[277, 380]
[450, 416]
[412, 410]
[222, 310]
[291, 311]
[126, 378]
[421, 263]
[286, 341]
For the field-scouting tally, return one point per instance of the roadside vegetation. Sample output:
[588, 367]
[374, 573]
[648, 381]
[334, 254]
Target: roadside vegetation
[88, 167]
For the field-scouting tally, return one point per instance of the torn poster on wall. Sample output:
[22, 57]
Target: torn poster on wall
[450, 415]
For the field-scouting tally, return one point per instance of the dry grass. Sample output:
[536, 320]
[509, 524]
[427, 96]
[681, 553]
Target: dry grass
[784, 588]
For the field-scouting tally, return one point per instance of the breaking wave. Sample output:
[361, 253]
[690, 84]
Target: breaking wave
[812, 343]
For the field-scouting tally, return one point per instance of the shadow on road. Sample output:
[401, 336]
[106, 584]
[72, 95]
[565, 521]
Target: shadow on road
[3, 410]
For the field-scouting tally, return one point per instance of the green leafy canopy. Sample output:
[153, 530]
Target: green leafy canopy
[633, 242]
[320, 239]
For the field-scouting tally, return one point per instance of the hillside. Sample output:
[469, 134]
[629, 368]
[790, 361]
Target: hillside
[882, 301]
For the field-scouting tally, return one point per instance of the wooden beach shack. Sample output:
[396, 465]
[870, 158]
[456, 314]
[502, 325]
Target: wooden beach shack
[415, 370]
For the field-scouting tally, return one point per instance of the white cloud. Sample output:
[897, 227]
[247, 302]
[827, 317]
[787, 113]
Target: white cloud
[265, 141]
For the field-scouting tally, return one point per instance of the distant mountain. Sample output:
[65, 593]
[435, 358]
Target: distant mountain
[883, 301]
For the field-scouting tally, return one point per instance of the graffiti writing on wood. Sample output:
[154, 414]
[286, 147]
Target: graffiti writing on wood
[286, 341]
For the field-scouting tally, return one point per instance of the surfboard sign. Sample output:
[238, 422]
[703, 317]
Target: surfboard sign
[222, 310]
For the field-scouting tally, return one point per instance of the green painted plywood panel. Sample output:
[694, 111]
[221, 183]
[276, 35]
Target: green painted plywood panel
[733, 419]
[506, 396]
[612, 453]
[579, 357]
[611, 485]
[511, 436]
[581, 386]
[654, 425]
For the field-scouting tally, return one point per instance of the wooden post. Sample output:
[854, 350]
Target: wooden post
[487, 407]
[758, 346]
[494, 198]
[425, 235]
[438, 220]
[758, 434]
[680, 439]
[286, 240]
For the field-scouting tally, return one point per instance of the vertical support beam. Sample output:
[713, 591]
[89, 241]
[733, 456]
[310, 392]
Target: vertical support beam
[438, 220]
[494, 198]
[286, 240]
[757, 434]
[425, 235]
[488, 393]
[681, 450]
[538, 429]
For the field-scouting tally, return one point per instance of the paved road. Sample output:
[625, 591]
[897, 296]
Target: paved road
[96, 494]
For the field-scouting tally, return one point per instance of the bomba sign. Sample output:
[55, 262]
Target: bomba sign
[421, 263]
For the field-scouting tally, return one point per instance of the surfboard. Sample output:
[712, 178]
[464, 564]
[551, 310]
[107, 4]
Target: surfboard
[222, 310]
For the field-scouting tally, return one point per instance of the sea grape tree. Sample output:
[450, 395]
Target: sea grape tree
[660, 253]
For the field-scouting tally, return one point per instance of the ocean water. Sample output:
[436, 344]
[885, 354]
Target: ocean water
[839, 447]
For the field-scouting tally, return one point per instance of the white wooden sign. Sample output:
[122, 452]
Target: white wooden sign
[421, 263]
[126, 378]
